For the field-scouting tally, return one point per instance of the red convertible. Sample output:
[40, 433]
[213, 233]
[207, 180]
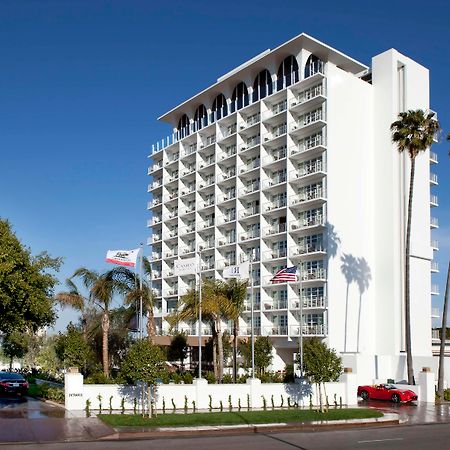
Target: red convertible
[386, 392]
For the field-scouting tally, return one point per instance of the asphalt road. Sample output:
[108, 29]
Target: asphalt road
[411, 437]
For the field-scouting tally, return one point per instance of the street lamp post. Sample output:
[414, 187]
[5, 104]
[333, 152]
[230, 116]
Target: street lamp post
[200, 314]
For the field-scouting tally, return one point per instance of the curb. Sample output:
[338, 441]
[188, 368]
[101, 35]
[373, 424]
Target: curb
[131, 433]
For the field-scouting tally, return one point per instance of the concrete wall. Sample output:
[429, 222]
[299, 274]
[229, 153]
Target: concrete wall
[200, 391]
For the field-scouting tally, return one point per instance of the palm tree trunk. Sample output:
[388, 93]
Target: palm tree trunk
[151, 327]
[105, 332]
[235, 345]
[409, 361]
[219, 351]
[443, 338]
[214, 341]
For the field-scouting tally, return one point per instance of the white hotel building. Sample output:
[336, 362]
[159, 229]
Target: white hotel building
[288, 158]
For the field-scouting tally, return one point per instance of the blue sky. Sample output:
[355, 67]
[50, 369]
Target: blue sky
[83, 81]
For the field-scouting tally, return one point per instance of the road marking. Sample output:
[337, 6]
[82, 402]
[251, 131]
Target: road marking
[380, 440]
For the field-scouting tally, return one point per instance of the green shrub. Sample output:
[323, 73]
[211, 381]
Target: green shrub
[55, 394]
[98, 378]
[447, 395]
[288, 376]
[227, 379]
[176, 377]
[210, 378]
[188, 378]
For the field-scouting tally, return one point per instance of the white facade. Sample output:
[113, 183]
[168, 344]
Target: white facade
[299, 169]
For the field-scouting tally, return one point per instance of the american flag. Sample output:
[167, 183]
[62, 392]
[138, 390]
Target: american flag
[285, 275]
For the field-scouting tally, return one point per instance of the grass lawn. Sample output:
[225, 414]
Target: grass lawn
[233, 418]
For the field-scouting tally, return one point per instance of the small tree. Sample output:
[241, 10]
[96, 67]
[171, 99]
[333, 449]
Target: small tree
[178, 349]
[72, 349]
[144, 362]
[15, 345]
[263, 353]
[320, 364]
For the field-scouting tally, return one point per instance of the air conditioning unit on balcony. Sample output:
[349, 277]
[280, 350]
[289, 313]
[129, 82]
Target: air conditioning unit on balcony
[244, 147]
[202, 185]
[222, 242]
[294, 103]
[202, 146]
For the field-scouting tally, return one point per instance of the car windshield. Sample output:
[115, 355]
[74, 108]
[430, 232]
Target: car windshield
[389, 386]
[11, 376]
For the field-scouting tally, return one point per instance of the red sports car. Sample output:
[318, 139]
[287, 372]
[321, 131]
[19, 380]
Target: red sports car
[386, 392]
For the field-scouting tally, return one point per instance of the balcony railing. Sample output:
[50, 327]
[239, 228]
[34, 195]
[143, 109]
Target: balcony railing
[305, 170]
[434, 222]
[307, 95]
[275, 229]
[312, 274]
[277, 304]
[315, 301]
[434, 266]
[434, 289]
[308, 144]
[309, 330]
[434, 201]
[433, 178]
[276, 330]
[433, 157]
[435, 244]
[307, 195]
[249, 235]
[275, 254]
[306, 249]
[270, 206]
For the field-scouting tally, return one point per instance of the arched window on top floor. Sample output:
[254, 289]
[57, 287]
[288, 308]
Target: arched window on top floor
[183, 127]
[313, 65]
[200, 117]
[287, 72]
[262, 86]
[219, 108]
[239, 98]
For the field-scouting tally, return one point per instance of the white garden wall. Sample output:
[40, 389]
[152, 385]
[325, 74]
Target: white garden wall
[201, 392]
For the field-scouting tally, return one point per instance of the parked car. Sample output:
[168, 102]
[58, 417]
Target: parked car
[386, 392]
[13, 383]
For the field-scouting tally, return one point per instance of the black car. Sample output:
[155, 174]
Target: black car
[13, 383]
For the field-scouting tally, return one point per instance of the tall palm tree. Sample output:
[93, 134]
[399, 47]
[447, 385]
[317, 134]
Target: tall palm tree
[133, 297]
[102, 288]
[215, 308]
[413, 132]
[236, 292]
[72, 298]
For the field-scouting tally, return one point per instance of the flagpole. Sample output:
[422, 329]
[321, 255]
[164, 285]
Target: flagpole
[141, 328]
[200, 315]
[252, 317]
[300, 339]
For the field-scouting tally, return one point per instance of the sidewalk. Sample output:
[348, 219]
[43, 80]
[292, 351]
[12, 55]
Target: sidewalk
[127, 433]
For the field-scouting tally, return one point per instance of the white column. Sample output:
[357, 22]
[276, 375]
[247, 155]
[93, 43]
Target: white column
[426, 386]
[350, 387]
[73, 390]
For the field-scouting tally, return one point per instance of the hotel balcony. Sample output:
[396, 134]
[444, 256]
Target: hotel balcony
[318, 274]
[276, 330]
[434, 222]
[435, 244]
[307, 171]
[317, 195]
[307, 223]
[247, 331]
[248, 235]
[272, 206]
[434, 179]
[309, 330]
[434, 201]
[433, 158]
[274, 229]
[434, 289]
[248, 306]
[275, 254]
[434, 267]
[312, 97]
[435, 313]
[306, 249]
[313, 144]
[276, 305]
[313, 302]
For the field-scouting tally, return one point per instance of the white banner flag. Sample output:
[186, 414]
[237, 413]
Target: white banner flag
[241, 271]
[123, 257]
[186, 266]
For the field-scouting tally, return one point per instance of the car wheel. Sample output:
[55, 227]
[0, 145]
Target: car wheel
[395, 398]
[365, 395]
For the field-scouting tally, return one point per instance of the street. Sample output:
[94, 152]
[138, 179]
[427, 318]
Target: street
[411, 437]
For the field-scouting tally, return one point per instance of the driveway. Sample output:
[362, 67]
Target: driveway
[30, 420]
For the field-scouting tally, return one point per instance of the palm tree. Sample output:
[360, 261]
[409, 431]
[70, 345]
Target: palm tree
[133, 297]
[413, 132]
[72, 298]
[102, 288]
[236, 292]
[215, 307]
